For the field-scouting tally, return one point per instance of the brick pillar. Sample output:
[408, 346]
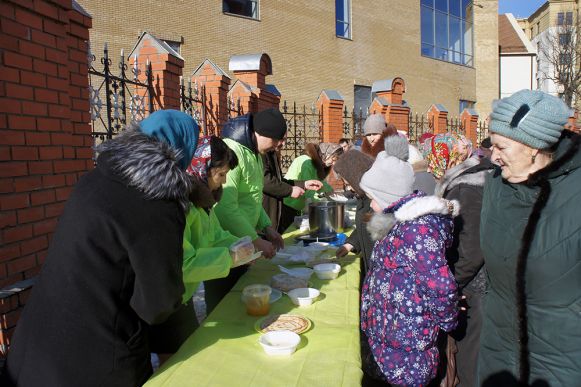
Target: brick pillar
[213, 82]
[45, 137]
[166, 67]
[438, 118]
[330, 105]
[572, 123]
[469, 119]
[250, 87]
[390, 103]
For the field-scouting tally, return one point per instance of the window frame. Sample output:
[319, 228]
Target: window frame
[348, 23]
[256, 4]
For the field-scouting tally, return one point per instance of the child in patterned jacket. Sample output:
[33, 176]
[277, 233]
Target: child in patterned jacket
[409, 293]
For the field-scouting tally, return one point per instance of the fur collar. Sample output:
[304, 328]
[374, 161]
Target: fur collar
[455, 176]
[418, 206]
[147, 164]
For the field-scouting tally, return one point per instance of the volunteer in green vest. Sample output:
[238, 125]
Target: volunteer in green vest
[530, 235]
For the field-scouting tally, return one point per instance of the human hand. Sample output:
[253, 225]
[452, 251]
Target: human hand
[344, 250]
[297, 192]
[266, 247]
[274, 237]
[313, 185]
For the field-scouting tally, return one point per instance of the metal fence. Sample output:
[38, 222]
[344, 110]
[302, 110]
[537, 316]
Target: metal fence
[303, 126]
[193, 102]
[353, 123]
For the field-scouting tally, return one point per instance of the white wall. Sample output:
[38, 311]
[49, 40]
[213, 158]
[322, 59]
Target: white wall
[516, 74]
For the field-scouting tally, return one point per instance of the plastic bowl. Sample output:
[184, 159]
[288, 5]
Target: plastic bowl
[303, 296]
[279, 342]
[327, 270]
[300, 272]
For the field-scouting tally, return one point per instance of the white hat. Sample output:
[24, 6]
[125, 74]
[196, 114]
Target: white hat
[388, 180]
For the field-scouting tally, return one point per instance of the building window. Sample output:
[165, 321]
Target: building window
[246, 8]
[560, 18]
[569, 18]
[446, 29]
[564, 39]
[465, 104]
[565, 18]
[176, 46]
[343, 18]
[565, 59]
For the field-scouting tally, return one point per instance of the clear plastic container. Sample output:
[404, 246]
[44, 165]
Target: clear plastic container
[257, 299]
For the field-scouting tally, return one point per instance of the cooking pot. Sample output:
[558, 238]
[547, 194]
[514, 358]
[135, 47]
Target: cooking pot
[326, 218]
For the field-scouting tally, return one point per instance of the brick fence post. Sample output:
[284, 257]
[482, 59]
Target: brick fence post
[250, 88]
[166, 66]
[469, 119]
[330, 105]
[438, 117]
[390, 103]
[213, 82]
[45, 136]
[572, 123]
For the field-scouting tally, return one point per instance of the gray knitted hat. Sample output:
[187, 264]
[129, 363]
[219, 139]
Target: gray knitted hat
[388, 180]
[374, 124]
[531, 117]
[397, 146]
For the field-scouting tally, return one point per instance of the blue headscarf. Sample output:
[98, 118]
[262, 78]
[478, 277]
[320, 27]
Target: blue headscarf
[175, 128]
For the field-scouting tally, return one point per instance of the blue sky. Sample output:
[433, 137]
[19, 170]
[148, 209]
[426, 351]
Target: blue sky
[519, 8]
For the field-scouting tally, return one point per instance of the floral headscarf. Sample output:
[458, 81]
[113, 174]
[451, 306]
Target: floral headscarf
[442, 152]
[201, 161]
[327, 149]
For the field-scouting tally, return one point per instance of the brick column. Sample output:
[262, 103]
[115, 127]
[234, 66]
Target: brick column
[330, 104]
[45, 137]
[213, 82]
[166, 66]
[572, 123]
[469, 119]
[389, 102]
[438, 118]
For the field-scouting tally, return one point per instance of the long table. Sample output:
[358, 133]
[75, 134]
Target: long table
[225, 351]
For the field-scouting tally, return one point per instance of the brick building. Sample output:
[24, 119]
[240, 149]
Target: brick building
[446, 51]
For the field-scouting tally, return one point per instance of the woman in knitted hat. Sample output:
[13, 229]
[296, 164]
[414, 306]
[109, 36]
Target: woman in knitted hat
[114, 265]
[531, 239]
[315, 164]
[206, 244]
[375, 130]
[409, 292]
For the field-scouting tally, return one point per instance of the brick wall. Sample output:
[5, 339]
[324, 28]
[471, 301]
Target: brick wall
[45, 141]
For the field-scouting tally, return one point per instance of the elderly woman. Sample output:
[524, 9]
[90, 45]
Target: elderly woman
[315, 164]
[531, 240]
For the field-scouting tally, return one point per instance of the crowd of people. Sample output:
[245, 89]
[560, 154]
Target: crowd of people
[470, 256]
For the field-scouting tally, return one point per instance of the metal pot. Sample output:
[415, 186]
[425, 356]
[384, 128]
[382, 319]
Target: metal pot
[326, 218]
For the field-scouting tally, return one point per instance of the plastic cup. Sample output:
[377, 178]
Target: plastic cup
[256, 298]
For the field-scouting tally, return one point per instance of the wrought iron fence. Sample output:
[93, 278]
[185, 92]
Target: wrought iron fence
[193, 102]
[353, 123]
[123, 96]
[418, 125]
[234, 108]
[303, 126]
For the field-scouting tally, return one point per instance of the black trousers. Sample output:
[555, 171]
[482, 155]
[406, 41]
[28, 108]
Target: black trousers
[216, 289]
[467, 337]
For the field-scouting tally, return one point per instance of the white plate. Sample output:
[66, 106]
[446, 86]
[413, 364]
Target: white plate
[275, 295]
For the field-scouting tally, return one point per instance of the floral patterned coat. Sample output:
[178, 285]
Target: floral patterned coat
[409, 292]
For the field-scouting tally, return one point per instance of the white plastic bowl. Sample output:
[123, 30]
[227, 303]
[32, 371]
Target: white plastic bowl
[300, 272]
[279, 342]
[327, 270]
[303, 296]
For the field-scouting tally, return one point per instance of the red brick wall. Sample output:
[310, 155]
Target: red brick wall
[45, 141]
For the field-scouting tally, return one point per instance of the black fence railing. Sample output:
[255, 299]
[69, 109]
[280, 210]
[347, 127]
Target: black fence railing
[303, 126]
[193, 102]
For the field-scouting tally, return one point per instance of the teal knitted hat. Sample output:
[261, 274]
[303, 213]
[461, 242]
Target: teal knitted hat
[175, 128]
[531, 117]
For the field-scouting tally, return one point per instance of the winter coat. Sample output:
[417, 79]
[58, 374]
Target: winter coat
[424, 181]
[547, 206]
[240, 210]
[114, 266]
[359, 238]
[465, 183]
[409, 293]
[302, 168]
[276, 188]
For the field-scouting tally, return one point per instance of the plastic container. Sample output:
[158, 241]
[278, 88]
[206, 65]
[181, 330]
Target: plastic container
[277, 343]
[326, 271]
[303, 296]
[257, 299]
[242, 249]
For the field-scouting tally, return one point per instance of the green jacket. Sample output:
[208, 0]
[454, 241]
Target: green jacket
[553, 275]
[206, 253]
[302, 168]
[240, 209]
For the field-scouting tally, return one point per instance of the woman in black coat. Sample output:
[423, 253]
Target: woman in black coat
[114, 264]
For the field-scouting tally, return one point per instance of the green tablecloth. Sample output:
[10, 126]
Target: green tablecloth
[225, 351]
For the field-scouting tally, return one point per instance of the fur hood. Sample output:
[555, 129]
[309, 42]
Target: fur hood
[456, 176]
[413, 207]
[147, 164]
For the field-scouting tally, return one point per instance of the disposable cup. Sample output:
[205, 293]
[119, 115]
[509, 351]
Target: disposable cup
[256, 298]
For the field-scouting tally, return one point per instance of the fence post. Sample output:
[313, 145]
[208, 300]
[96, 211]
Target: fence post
[330, 104]
[389, 102]
[166, 70]
[438, 115]
[213, 83]
[469, 119]
[572, 122]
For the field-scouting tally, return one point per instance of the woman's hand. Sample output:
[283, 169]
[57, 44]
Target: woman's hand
[344, 250]
[268, 250]
[313, 185]
[274, 237]
[297, 192]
